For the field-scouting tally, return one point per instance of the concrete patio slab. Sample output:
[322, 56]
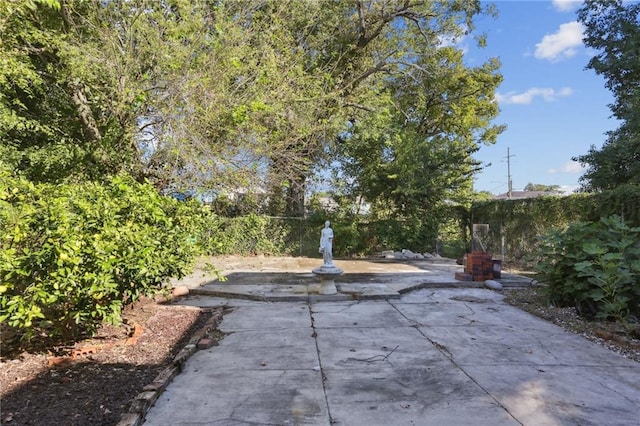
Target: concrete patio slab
[431, 357]
[290, 278]
[428, 351]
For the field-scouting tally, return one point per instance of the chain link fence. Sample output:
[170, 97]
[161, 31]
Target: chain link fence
[296, 236]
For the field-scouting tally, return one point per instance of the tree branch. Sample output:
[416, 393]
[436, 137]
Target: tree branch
[358, 106]
[84, 111]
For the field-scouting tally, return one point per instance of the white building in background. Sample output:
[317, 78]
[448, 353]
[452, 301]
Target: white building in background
[520, 195]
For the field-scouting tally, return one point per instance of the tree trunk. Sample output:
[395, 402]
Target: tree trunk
[84, 111]
[295, 196]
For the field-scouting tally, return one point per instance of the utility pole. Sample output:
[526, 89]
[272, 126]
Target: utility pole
[509, 182]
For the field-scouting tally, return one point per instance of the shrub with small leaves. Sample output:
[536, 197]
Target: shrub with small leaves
[72, 256]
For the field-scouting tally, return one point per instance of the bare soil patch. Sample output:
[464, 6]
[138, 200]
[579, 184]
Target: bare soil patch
[93, 382]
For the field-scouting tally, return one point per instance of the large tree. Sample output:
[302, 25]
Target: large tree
[613, 30]
[189, 94]
[432, 112]
[221, 95]
[89, 89]
[554, 189]
[44, 126]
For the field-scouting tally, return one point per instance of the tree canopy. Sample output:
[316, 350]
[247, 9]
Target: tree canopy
[231, 94]
[541, 187]
[613, 30]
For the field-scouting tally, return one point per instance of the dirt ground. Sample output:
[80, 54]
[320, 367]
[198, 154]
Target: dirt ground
[94, 381]
[98, 378]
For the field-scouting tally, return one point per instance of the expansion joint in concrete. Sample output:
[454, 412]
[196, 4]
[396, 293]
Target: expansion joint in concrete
[322, 373]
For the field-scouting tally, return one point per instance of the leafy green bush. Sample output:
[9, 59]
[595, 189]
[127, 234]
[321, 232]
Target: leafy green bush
[594, 267]
[244, 235]
[72, 256]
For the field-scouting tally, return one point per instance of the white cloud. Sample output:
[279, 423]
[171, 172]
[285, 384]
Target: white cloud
[525, 98]
[569, 189]
[566, 5]
[570, 166]
[459, 41]
[562, 44]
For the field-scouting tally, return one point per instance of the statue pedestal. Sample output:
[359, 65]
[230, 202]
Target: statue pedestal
[327, 275]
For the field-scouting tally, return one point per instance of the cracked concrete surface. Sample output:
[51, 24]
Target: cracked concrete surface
[445, 356]
[287, 279]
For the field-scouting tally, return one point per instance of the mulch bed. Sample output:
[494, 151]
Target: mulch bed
[94, 382]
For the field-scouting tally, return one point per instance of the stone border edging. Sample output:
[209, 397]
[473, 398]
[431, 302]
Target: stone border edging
[346, 296]
[140, 404]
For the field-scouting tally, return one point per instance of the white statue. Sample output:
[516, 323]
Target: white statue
[327, 272]
[326, 244]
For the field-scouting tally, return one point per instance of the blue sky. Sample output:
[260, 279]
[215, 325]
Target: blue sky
[553, 107]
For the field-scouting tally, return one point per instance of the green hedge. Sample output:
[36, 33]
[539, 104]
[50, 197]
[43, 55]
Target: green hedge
[521, 222]
[72, 256]
[353, 236]
[245, 235]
